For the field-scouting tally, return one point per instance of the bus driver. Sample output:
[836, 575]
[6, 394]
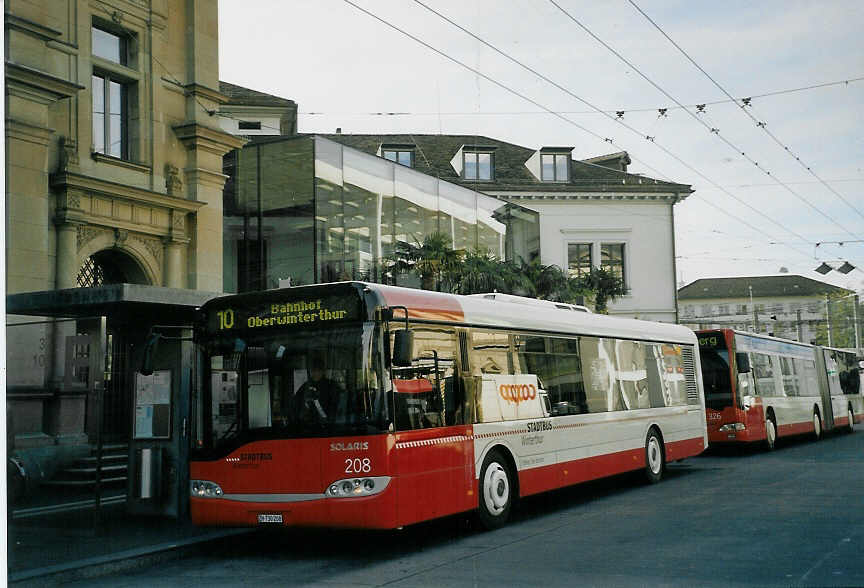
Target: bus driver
[317, 399]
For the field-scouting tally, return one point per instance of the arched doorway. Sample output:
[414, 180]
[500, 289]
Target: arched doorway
[113, 266]
[110, 266]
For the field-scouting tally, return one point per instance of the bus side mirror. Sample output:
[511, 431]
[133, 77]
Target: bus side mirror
[150, 348]
[743, 361]
[403, 347]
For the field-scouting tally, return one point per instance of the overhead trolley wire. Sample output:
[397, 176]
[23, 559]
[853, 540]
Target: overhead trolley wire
[614, 111]
[497, 83]
[743, 104]
[714, 131]
[736, 218]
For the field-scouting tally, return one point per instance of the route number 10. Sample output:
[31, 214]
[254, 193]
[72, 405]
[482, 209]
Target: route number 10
[226, 318]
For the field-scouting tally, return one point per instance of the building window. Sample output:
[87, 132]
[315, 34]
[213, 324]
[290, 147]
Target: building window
[110, 116]
[402, 157]
[579, 259]
[477, 166]
[249, 125]
[112, 83]
[612, 259]
[555, 167]
[110, 46]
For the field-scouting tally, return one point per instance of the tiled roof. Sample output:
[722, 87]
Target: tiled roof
[245, 97]
[763, 287]
[434, 152]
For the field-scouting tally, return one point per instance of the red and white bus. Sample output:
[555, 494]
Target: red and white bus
[759, 388]
[370, 406]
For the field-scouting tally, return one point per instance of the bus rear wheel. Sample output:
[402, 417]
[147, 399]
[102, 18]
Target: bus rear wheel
[496, 491]
[817, 426]
[770, 433]
[850, 425]
[654, 457]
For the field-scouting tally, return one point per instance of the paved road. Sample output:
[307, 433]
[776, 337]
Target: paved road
[794, 517]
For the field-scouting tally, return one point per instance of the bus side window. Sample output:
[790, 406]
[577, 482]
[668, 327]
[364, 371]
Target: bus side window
[598, 369]
[428, 393]
[763, 374]
[555, 361]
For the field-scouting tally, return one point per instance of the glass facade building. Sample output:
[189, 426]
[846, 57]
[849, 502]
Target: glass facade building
[311, 210]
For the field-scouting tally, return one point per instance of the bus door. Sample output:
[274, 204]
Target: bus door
[830, 388]
[433, 458]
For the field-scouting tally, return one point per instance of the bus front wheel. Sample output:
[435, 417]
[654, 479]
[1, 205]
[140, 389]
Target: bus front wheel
[654, 458]
[850, 424]
[496, 490]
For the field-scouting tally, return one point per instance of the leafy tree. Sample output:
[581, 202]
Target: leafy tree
[550, 282]
[603, 286]
[431, 260]
[482, 271]
[841, 316]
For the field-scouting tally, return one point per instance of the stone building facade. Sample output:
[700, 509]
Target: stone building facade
[113, 175]
[113, 150]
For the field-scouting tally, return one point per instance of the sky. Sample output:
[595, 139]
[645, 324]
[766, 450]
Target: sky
[778, 183]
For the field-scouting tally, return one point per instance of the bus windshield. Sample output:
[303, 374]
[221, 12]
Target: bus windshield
[303, 383]
[715, 378]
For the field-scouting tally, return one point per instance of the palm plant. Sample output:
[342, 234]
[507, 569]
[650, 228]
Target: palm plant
[549, 282]
[431, 260]
[603, 285]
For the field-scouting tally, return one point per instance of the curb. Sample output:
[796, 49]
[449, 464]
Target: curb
[118, 562]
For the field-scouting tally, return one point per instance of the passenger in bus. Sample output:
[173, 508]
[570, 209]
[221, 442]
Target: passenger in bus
[317, 399]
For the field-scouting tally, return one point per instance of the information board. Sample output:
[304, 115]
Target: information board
[153, 405]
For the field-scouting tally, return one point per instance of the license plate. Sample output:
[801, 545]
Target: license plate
[269, 518]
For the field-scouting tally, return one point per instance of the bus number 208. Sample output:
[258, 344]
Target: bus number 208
[358, 466]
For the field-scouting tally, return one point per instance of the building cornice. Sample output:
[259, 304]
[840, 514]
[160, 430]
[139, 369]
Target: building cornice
[38, 84]
[36, 29]
[671, 197]
[195, 89]
[72, 181]
[197, 136]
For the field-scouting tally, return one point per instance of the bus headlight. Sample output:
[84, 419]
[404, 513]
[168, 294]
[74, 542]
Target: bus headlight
[732, 427]
[353, 487]
[205, 489]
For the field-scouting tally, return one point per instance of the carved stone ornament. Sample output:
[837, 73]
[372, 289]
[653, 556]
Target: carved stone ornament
[173, 183]
[120, 236]
[153, 246]
[73, 199]
[68, 153]
[178, 221]
[86, 234]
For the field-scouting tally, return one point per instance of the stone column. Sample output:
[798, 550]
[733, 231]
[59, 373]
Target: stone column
[173, 273]
[67, 255]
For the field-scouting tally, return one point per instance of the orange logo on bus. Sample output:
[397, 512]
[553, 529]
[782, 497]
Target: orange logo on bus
[517, 392]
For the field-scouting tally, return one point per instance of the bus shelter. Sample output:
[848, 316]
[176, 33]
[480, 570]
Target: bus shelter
[85, 429]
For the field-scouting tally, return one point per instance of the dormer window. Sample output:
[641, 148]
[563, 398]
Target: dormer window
[401, 156]
[477, 165]
[555, 167]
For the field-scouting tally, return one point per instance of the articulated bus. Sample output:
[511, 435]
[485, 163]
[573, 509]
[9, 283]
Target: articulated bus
[759, 388]
[360, 405]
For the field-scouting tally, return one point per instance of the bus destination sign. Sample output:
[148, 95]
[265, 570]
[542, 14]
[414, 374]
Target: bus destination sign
[712, 340]
[306, 313]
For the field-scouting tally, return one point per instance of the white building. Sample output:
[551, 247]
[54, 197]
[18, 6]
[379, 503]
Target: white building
[787, 306]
